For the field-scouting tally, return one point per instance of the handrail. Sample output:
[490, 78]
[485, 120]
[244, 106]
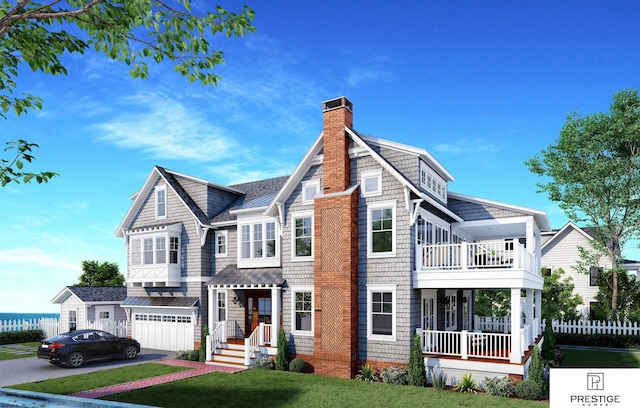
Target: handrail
[252, 343]
[216, 338]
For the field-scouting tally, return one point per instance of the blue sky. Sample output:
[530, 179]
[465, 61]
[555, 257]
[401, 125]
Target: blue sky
[483, 86]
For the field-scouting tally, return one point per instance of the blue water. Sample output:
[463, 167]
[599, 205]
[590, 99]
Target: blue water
[27, 316]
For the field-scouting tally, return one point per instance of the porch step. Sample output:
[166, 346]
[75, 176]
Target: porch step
[228, 355]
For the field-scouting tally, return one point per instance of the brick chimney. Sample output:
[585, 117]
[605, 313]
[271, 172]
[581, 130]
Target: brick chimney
[336, 251]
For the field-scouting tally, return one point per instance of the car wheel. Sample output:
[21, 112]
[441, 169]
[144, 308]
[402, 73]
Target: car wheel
[130, 352]
[75, 359]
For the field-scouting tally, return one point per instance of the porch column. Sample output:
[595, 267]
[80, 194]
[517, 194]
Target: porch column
[529, 315]
[516, 319]
[538, 302]
[211, 307]
[275, 314]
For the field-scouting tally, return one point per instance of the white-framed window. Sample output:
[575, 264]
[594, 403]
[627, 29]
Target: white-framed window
[432, 182]
[73, 320]
[381, 229]
[302, 236]
[371, 183]
[221, 244]
[310, 189]
[161, 202]
[451, 310]
[153, 250]
[381, 312]
[258, 244]
[221, 305]
[302, 310]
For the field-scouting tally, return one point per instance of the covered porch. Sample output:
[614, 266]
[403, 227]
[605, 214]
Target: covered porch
[245, 307]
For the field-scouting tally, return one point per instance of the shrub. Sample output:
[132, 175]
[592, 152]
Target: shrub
[298, 365]
[367, 373]
[282, 356]
[467, 384]
[203, 344]
[417, 370]
[439, 378]
[194, 355]
[182, 354]
[529, 390]
[24, 336]
[499, 386]
[395, 375]
[536, 369]
[265, 363]
[549, 344]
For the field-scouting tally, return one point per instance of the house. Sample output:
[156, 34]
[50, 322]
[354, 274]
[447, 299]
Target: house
[82, 307]
[560, 250]
[362, 246]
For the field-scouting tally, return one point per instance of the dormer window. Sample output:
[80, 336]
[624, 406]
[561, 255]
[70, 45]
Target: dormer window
[310, 190]
[161, 202]
[432, 182]
[371, 183]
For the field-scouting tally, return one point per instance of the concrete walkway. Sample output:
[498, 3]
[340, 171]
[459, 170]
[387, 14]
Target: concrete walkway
[197, 369]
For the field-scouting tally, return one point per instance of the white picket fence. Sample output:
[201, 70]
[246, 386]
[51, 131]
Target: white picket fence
[118, 327]
[49, 325]
[596, 327]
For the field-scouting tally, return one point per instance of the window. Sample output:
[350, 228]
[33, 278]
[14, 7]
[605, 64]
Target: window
[173, 250]
[381, 229]
[432, 182]
[153, 250]
[371, 183]
[258, 241]
[302, 310]
[594, 274]
[222, 306]
[310, 190]
[73, 320]
[381, 313]
[302, 235]
[451, 311]
[221, 244]
[161, 202]
[103, 315]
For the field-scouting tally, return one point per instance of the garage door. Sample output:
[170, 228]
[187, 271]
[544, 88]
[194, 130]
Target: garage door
[167, 330]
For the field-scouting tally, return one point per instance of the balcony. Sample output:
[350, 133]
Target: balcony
[154, 275]
[476, 265]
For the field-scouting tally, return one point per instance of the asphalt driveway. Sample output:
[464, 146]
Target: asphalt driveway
[30, 369]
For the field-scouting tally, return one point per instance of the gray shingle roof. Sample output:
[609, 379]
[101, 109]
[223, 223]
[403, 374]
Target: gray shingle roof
[99, 294]
[157, 301]
[257, 194]
[232, 276]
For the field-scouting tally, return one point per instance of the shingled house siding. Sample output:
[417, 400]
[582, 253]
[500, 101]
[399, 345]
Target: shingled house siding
[474, 211]
[407, 164]
[296, 273]
[393, 270]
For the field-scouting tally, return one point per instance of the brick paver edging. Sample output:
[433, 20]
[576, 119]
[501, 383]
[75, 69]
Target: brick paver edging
[197, 369]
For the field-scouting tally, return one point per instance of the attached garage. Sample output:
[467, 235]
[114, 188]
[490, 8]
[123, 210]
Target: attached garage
[163, 323]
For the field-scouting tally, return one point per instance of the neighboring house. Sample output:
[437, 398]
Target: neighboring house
[81, 306]
[560, 250]
[356, 251]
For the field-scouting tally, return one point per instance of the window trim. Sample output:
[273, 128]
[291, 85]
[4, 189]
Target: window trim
[168, 238]
[296, 216]
[371, 289]
[225, 307]
[394, 229]
[300, 289]
[432, 182]
[225, 234]
[264, 260]
[377, 174]
[593, 280]
[307, 184]
[158, 189]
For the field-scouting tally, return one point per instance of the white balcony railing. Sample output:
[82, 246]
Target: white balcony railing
[475, 255]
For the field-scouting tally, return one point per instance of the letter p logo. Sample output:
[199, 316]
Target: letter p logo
[595, 381]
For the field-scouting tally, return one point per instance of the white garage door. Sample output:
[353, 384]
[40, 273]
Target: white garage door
[166, 330]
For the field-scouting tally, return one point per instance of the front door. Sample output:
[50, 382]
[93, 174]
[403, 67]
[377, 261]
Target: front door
[257, 309]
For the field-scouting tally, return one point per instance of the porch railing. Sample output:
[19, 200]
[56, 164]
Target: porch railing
[496, 324]
[217, 337]
[476, 255]
[253, 343]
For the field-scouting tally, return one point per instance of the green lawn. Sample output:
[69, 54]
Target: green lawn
[11, 356]
[600, 359]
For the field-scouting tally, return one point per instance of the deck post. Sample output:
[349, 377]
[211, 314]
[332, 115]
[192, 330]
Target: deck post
[516, 348]
[275, 315]
[463, 345]
[529, 315]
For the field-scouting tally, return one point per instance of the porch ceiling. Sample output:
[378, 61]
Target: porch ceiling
[496, 229]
